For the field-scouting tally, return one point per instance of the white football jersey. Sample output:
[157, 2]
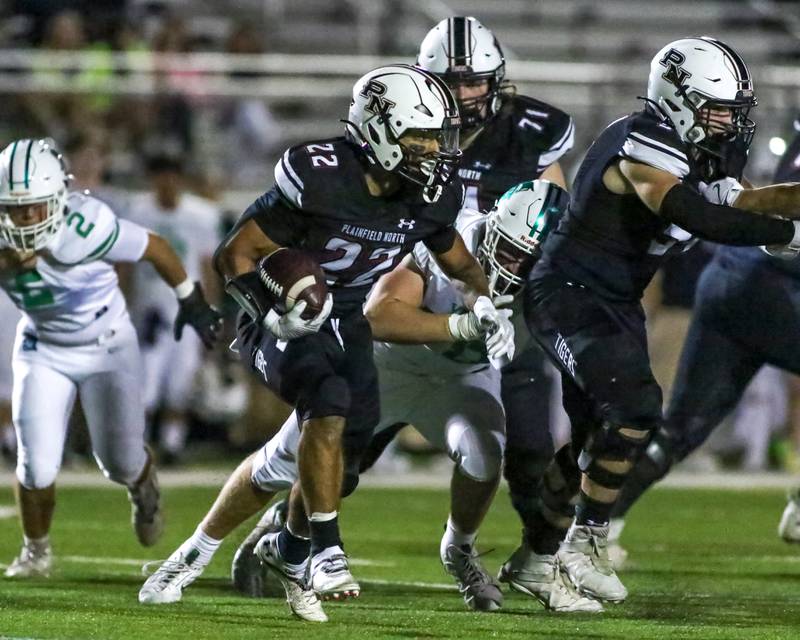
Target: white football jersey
[193, 230]
[442, 295]
[71, 296]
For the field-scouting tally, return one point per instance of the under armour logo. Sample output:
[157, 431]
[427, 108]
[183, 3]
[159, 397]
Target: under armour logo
[377, 104]
[675, 73]
[406, 223]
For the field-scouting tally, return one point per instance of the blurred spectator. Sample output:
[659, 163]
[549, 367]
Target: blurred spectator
[191, 225]
[249, 127]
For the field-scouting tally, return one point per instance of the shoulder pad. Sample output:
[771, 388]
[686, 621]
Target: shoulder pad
[654, 143]
[304, 168]
[543, 132]
[470, 224]
[89, 230]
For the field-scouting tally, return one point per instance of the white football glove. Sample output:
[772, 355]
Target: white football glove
[290, 325]
[722, 191]
[467, 326]
[789, 251]
[498, 327]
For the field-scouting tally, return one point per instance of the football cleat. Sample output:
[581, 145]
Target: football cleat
[146, 515]
[330, 575]
[538, 576]
[583, 556]
[789, 526]
[480, 591]
[32, 562]
[302, 600]
[167, 583]
[617, 554]
[248, 574]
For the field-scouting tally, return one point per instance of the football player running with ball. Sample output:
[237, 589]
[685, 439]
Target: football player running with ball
[75, 338]
[357, 204]
[640, 194]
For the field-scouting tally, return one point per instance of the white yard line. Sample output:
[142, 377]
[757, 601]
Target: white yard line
[433, 586]
[7, 511]
[425, 480]
[138, 562]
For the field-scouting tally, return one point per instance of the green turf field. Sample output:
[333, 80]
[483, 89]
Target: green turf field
[705, 564]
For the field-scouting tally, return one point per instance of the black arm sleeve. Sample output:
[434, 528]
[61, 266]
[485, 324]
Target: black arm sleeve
[727, 225]
[442, 240]
[280, 222]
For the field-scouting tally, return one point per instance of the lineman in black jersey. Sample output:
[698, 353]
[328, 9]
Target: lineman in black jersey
[727, 344]
[633, 203]
[357, 204]
[506, 139]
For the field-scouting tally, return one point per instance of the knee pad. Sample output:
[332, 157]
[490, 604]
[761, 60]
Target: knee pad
[33, 475]
[612, 443]
[658, 457]
[329, 396]
[477, 454]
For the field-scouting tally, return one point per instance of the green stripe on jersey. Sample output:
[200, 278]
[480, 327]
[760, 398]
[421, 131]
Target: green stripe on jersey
[106, 245]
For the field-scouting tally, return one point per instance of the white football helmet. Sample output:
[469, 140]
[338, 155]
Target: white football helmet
[462, 51]
[692, 74]
[519, 223]
[391, 101]
[32, 172]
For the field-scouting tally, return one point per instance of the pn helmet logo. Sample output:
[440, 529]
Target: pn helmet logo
[377, 104]
[675, 73]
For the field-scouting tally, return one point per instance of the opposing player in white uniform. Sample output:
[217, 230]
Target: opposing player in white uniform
[191, 224]
[440, 380]
[75, 337]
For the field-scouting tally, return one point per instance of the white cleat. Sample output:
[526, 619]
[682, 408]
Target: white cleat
[789, 527]
[167, 583]
[302, 600]
[617, 554]
[480, 591]
[248, 573]
[538, 576]
[32, 562]
[331, 577]
[583, 556]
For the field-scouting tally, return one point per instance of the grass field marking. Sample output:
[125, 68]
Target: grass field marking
[434, 586]
[135, 562]
[6, 512]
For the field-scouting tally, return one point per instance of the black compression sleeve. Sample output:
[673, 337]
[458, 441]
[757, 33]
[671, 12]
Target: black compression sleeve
[718, 223]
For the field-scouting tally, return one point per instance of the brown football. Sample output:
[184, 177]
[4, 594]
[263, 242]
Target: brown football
[291, 275]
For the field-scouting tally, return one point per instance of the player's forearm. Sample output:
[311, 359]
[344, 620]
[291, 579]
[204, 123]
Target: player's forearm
[166, 262]
[778, 199]
[393, 320]
[474, 279]
[241, 250]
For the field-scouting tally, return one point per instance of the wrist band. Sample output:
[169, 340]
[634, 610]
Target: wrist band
[184, 289]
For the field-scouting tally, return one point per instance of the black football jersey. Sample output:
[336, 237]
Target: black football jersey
[614, 243]
[518, 144]
[321, 204]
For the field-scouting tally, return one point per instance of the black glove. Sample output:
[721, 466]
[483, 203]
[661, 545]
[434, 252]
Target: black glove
[204, 318]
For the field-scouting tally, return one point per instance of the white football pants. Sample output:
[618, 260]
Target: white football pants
[107, 374]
